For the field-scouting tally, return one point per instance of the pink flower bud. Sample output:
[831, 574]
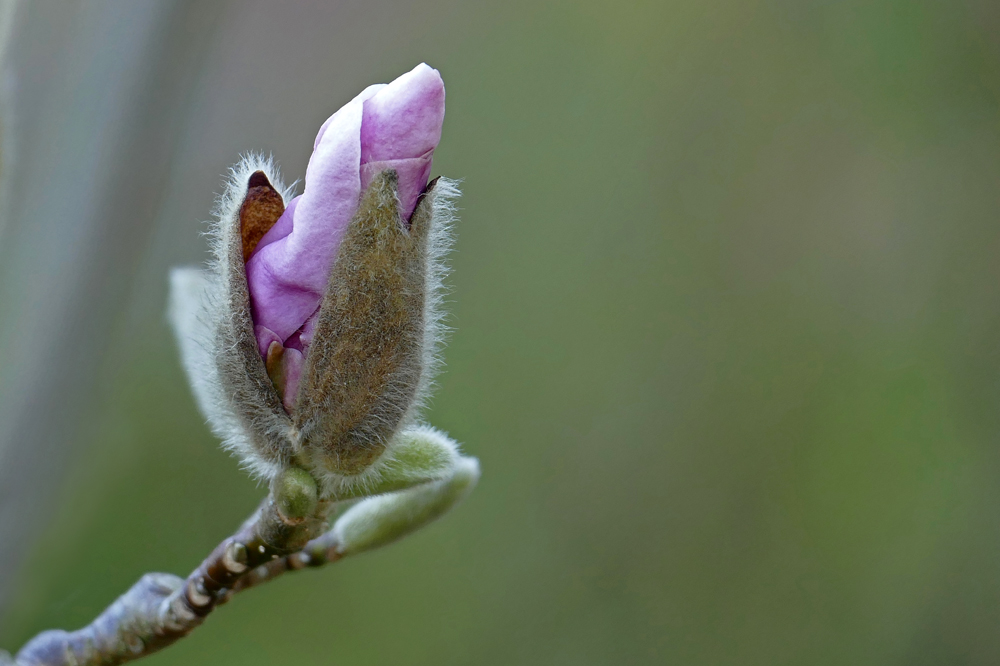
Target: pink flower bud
[312, 338]
[394, 126]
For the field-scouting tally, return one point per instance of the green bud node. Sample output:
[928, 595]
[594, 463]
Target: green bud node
[295, 493]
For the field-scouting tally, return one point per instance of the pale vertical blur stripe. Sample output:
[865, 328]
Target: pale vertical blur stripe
[7, 8]
[93, 97]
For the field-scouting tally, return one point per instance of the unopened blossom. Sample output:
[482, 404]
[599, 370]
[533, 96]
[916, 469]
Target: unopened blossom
[312, 339]
[395, 126]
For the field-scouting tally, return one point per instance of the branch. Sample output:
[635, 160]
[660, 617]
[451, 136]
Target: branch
[289, 531]
[321, 550]
[162, 608]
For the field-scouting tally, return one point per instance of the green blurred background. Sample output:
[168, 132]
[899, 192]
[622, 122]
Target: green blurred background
[726, 341]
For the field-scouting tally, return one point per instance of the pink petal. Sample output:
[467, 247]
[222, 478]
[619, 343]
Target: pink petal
[413, 175]
[394, 126]
[401, 128]
[287, 277]
[265, 337]
[404, 119]
[301, 338]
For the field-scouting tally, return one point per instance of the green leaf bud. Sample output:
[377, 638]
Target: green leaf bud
[419, 455]
[295, 494]
[378, 521]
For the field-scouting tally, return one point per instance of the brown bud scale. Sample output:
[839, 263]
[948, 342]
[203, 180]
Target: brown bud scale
[261, 208]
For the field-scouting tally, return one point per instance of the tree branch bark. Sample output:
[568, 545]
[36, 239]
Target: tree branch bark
[160, 609]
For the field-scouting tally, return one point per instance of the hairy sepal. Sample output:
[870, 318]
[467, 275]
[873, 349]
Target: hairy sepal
[374, 351]
[210, 312]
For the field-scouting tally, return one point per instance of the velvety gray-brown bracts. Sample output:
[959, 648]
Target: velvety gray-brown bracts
[364, 367]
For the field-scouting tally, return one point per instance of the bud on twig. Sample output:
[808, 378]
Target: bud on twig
[295, 494]
[310, 343]
[378, 521]
[315, 336]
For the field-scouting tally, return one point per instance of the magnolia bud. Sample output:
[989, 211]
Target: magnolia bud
[312, 339]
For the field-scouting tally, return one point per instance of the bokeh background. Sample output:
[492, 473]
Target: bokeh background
[726, 300]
